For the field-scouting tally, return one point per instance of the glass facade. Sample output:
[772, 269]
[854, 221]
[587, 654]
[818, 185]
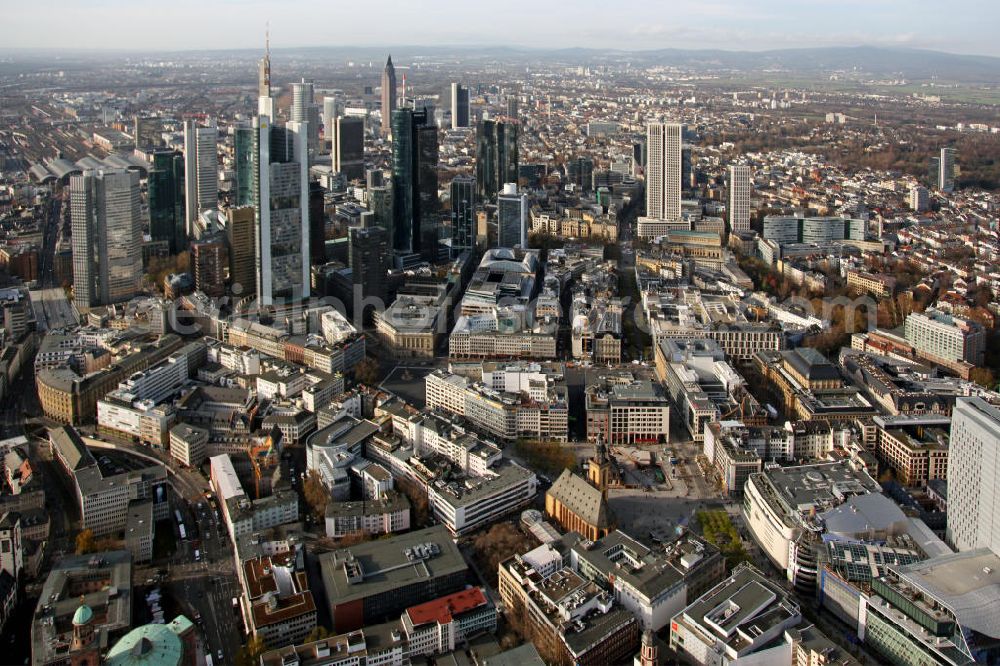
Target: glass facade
[166, 200]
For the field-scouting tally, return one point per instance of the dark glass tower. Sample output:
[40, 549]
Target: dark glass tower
[243, 150]
[414, 178]
[166, 199]
[496, 157]
[463, 213]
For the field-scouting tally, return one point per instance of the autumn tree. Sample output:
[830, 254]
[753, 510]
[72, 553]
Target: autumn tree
[249, 654]
[318, 633]
[420, 509]
[498, 543]
[85, 542]
[316, 494]
[984, 377]
[367, 371]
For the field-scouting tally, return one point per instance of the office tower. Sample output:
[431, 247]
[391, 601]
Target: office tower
[919, 199]
[369, 254]
[414, 178]
[974, 475]
[264, 70]
[304, 110]
[281, 199]
[496, 157]
[208, 257]
[348, 149]
[688, 175]
[242, 251]
[512, 110]
[663, 173]
[388, 96]
[317, 223]
[374, 178]
[946, 163]
[201, 171]
[739, 198]
[512, 217]
[332, 108]
[459, 106]
[107, 236]
[580, 172]
[243, 167]
[166, 199]
[463, 213]
[380, 204]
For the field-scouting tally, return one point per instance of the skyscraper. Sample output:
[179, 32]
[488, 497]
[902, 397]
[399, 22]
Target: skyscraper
[348, 149]
[107, 236]
[512, 217]
[496, 157]
[243, 153]
[463, 213]
[974, 475]
[369, 255]
[512, 110]
[281, 199]
[946, 164]
[380, 204]
[264, 69]
[459, 106]
[414, 178]
[208, 257]
[739, 198]
[166, 199]
[580, 171]
[201, 171]
[663, 171]
[332, 108]
[304, 110]
[240, 236]
[388, 96]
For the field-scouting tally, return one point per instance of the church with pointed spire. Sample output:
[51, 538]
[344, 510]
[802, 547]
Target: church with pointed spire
[581, 505]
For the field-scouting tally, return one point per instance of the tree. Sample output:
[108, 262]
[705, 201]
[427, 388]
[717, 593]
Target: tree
[367, 371]
[984, 377]
[315, 493]
[85, 542]
[249, 654]
[318, 633]
[419, 506]
[500, 542]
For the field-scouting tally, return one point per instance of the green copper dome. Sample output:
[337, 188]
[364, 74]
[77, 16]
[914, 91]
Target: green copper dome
[83, 615]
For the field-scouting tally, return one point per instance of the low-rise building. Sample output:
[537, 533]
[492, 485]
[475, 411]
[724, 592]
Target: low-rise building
[915, 448]
[444, 624]
[188, 444]
[624, 410]
[281, 609]
[385, 515]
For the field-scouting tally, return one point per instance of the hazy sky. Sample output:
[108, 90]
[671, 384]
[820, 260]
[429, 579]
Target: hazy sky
[960, 26]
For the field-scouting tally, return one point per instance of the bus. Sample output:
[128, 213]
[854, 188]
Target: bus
[208, 659]
[183, 531]
[177, 514]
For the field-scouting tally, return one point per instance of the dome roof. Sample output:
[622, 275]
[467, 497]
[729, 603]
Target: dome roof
[83, 615]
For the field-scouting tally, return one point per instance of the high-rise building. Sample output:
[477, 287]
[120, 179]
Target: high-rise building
[459, 106]
[348, 150]
[243, 167]
[512, 110]
[166, 199]
[974, 475]
[663, 171]
[512, 217]
[380, 204]
[946, 175]
[369, 261]
[242, 251]
[944, 337]
[739, 198]
[317, 223]
[414, 178]
[208, 257]
[281, 200]
[201, 171]
[388, 96]
[580, 172]
[496, 157]
[107, 236]
[332, 109]
[264, 70]
[304, 110]
[463, 213]
[919, 199]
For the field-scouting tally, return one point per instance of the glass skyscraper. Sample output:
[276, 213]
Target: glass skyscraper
[243, 150]
[414, 179]
[496, 157]
[166, 199]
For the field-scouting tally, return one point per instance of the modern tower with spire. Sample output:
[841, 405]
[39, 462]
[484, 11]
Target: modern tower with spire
[388, 96]
[264, 68]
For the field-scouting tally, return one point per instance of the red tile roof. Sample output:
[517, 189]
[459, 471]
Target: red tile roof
[442, 610]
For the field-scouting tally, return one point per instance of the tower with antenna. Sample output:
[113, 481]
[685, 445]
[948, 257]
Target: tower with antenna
[264, 66]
